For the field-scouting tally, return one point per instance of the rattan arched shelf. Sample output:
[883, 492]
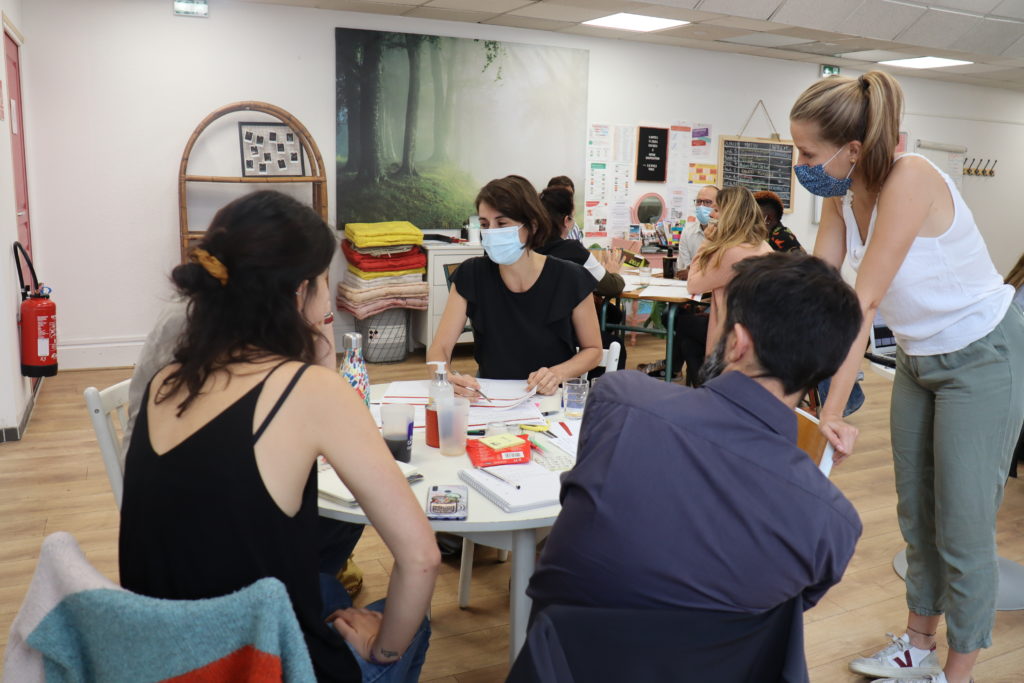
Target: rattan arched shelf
[317, 176]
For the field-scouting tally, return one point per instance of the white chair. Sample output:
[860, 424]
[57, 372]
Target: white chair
[610, 363]
[106, 407]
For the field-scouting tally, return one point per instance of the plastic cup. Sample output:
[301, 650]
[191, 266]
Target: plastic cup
[396, 426]
[452, 422]
[495, 428]
[644, 273]
[574, 397]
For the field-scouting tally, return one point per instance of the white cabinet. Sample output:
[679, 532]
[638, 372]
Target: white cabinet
[424, 323]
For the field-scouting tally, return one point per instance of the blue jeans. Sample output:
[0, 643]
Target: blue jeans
[405, 670]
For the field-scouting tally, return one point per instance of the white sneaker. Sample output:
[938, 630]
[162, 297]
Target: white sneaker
[941, 678]
[900, 661]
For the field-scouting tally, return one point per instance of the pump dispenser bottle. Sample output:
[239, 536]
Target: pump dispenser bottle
[440, 391]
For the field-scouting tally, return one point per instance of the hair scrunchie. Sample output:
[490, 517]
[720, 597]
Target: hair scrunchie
[211, 264]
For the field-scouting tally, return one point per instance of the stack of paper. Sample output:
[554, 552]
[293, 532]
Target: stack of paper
[537, 486]
[332, 488]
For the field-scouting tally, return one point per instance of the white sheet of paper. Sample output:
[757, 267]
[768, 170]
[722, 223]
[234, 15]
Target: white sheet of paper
[665, 292]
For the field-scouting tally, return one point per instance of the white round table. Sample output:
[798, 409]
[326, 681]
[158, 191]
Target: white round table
[486, 523]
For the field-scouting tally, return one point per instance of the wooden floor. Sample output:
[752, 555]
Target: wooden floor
[54, 480]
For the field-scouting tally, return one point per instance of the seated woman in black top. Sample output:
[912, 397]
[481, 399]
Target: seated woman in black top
[220, 475]
[529, 312]
[558, 201]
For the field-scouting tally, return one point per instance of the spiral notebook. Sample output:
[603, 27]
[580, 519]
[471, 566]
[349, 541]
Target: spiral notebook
[538, 487]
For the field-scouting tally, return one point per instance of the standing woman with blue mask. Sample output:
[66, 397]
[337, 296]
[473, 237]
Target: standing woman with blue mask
[533, 316]
[958, 393]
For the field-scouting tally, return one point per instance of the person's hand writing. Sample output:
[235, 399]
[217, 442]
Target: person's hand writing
[682, 274]
[840, 434]
[545, 379]
[360, 627]
[464, 385]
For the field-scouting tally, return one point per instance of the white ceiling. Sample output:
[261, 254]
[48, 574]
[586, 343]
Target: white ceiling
[848, 33]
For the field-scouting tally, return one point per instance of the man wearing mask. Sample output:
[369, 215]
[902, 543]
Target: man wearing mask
[689, 242]
[693, 236]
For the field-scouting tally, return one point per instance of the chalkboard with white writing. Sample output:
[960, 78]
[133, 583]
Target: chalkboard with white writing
[758, 164]
[652, 154]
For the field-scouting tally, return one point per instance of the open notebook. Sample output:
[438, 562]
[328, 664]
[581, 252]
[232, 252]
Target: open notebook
[538, 486]
[332, 488]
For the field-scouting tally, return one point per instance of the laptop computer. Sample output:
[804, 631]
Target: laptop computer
[883, 341]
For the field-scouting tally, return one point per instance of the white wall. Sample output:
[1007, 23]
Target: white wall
[16, 389]
[117, 86]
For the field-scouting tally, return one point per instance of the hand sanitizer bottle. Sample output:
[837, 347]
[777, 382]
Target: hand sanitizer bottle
[440, 391]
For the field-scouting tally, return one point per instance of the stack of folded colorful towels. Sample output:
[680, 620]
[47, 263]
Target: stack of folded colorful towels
[385, 268]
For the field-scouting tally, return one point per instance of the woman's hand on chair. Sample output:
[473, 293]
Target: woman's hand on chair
[840, 434]
[545, 379]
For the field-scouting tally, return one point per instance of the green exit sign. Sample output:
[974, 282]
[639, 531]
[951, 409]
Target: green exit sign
[829, 70]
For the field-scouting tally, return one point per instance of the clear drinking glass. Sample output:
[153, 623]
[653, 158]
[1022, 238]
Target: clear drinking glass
[574, 397]
[644, 272]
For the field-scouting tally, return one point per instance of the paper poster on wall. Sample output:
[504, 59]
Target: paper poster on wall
[595, 219]
[703, 174]
[700, 140]
[599, 143]
[618, 219]
[678, 153]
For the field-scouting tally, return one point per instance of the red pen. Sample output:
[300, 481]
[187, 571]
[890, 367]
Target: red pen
[566, 428]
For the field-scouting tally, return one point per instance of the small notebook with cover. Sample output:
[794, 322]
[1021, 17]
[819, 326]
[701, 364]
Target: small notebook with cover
[332, 488]
[538, 487]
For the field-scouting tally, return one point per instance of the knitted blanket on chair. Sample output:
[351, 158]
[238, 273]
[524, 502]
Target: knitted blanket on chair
[75, 625]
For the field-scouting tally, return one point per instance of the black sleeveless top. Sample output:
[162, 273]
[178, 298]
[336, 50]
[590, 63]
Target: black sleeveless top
[515, 333]
[197, 522]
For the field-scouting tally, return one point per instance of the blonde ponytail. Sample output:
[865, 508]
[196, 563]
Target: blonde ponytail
[867, 109]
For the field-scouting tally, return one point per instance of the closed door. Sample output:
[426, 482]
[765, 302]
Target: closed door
[17, 128]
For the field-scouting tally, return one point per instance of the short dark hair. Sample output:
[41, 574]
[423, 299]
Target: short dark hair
[562, 181]
[801, 315]
[514, 196]
[559, 204]
[269, 244]
[767, 198]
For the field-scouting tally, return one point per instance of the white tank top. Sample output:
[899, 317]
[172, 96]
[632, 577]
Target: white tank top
[947, 293]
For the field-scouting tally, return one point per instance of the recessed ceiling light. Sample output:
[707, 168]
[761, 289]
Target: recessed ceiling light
[925, 62]
[635, 22]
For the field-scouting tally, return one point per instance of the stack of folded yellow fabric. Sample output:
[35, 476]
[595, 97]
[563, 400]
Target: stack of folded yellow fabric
[385, 268]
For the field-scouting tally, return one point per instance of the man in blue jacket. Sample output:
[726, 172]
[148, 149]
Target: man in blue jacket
[698, 498]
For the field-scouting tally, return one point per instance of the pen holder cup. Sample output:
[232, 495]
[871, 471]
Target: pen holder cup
[396, 426]
[452, 422]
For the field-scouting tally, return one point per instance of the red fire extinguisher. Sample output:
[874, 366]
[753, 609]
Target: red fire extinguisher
[37, 322]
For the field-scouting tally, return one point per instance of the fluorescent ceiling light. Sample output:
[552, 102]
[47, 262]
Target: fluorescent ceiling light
[635, 22]
[925, 62]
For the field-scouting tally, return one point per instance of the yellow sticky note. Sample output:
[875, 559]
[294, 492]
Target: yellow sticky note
[500, 441]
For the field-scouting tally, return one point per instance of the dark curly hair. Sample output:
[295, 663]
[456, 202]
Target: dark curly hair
[270, 244]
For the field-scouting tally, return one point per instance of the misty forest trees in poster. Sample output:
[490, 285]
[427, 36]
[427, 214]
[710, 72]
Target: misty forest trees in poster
[424, 121]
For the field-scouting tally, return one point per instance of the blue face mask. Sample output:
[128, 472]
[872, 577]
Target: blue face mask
[502, 244]
[703, 214]
[816, 181]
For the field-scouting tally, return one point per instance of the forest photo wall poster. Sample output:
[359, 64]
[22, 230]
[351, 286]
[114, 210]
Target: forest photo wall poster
[423, 122]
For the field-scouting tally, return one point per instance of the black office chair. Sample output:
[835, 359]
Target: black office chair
[568, 644]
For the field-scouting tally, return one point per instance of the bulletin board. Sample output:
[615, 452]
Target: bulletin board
[758, 164]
